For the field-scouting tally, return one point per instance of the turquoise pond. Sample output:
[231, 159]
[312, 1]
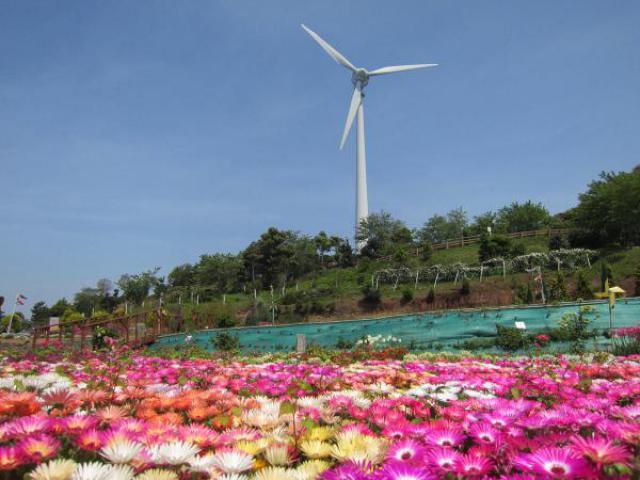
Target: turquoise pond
[441, 330]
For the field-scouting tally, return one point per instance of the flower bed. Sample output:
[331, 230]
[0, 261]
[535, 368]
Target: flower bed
[121, 415]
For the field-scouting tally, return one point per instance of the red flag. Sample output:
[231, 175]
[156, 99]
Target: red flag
[20, 299]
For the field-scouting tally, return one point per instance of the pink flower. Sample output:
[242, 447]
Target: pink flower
[402, 471]
[553, 462]
[601, 451]
[472, 466]
[406, 451]
[443, 460]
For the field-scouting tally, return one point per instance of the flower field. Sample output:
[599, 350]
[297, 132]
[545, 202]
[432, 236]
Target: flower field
[122, 415]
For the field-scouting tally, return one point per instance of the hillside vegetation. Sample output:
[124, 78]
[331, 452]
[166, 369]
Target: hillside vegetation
[287, 276]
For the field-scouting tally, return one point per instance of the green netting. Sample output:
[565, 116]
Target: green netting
[443, 330]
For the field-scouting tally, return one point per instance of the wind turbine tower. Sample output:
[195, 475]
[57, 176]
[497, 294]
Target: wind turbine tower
[360, 78]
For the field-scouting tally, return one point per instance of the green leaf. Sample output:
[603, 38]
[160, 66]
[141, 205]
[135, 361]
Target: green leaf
[223, 420]
[287, 407]
[515, 393]
[309, 424]
[237, 411]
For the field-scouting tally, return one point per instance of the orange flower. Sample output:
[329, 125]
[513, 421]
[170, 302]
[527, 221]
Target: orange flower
[40, 448]
[10, 458]
[111, 413]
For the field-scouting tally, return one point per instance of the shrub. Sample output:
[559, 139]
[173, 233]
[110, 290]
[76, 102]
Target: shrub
[518, 249]
[100, 334]
[605, 274]
[583, 290]
[407, 295]
[343, 344]
[626, 341]
[225, 319]
[556, 243]
[493, 246]
[465, 289]
[431, 296]
[576, 325]
[557, 288]
[371, 297]
[511, 338]
[426, 251]
[226, 342]
[637, 275]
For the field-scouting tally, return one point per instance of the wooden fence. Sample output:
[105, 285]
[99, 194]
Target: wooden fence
[133, 330]
[472, 239]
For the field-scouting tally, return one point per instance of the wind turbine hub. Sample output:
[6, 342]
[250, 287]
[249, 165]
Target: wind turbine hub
[360, 75]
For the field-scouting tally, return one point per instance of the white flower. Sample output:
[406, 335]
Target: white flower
[60, 469]
[121, 472]
[201, 464]
[92, 471]
[121, 451]
[157, 474]
[232, 461]
[176, 453]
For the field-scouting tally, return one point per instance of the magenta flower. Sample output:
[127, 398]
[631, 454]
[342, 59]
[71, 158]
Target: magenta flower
[601, 451]
[473, 466]
[402, 471]
[345, 471]
[407, 450]
[553, 462]
[443, 460]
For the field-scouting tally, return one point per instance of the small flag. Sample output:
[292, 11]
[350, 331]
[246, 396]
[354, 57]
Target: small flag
[20, 299]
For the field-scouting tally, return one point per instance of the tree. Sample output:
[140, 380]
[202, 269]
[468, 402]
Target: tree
[483, 222]
[58, 308]
[220, 271]
[136, 288]
[344, 254]
[523, 217]
[40, 313]
[492, 246]
[609, 211]
[439, 229]
[269, 256]
[382, 233]
[182, 276]
[15, 319]
[87, 300]
[323, 244]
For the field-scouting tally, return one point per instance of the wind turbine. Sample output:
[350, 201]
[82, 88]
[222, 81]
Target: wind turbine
[360, 79]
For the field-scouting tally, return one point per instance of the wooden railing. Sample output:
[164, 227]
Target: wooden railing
[472, 239]
[133, 330]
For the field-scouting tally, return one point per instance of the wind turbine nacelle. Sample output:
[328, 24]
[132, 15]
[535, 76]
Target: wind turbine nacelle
[360, 75]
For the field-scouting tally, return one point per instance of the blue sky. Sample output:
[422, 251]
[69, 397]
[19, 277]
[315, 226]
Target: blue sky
[143, 134]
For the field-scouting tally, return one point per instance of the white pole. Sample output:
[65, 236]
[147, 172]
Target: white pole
[415, 286]
[362, 202]
[13, 314]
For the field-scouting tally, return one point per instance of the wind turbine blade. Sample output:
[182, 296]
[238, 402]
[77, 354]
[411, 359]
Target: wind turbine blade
[333, 53]
[400, 68]
[356, 99]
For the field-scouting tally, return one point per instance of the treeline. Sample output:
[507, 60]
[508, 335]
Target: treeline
[607, 213]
